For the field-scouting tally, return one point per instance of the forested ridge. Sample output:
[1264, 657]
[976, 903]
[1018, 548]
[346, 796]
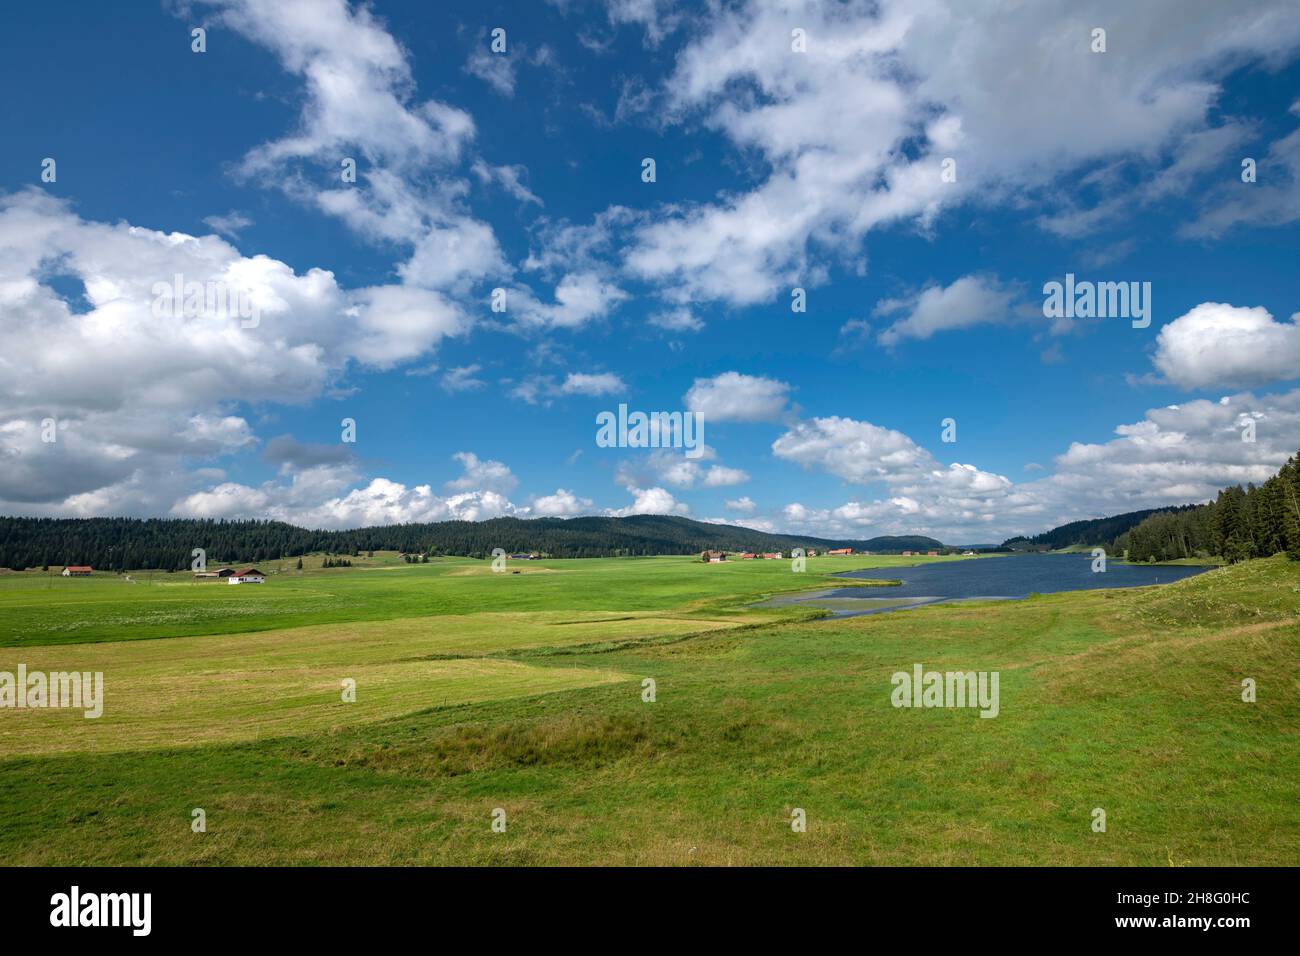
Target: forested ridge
[1241, 523]
[1250, 522]
[168, 543]
[1092, 532]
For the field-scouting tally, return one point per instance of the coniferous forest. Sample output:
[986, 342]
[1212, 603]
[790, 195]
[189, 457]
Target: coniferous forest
[1241, 523]
[116, 544]
[1250, 522]
[1092, 532]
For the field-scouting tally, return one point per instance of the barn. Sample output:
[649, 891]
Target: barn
[222, 573]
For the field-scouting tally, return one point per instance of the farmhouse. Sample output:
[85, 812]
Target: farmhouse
[713, 557]
[220, 573]
[748, 556]
[247, 576]
[840, 551]
[772, 556]
[78, 571]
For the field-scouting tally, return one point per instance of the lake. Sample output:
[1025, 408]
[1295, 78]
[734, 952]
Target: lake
[1006, 578]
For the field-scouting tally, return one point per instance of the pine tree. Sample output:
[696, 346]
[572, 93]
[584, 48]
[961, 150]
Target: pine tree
[1289, 489]
[1235, 549]
[1227, 518]
[1270, 519]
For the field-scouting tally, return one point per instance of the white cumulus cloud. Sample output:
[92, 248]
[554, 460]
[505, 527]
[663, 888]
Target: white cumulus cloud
[733, 397]
[1216, 344]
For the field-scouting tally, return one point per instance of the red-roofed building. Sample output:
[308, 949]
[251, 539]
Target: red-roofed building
[78, 571]
[247, 576]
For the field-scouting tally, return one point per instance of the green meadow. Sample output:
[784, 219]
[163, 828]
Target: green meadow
[524, 691]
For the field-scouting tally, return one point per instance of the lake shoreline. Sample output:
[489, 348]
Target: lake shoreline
[1015, 578]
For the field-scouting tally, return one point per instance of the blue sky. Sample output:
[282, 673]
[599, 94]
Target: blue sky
[776, 168]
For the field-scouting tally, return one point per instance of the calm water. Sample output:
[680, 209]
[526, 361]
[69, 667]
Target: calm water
[1012, 577]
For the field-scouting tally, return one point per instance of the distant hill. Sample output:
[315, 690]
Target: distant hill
[119, 543]
[907, 542]
[1093, 532]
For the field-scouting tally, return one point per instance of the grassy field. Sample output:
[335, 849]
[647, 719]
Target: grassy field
[478, 691]
[49, 609]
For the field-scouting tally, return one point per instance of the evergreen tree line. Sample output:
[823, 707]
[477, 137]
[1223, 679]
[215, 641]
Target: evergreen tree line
[118, 544]
[1250, 522]
[1092, 532]
[1242, 523]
